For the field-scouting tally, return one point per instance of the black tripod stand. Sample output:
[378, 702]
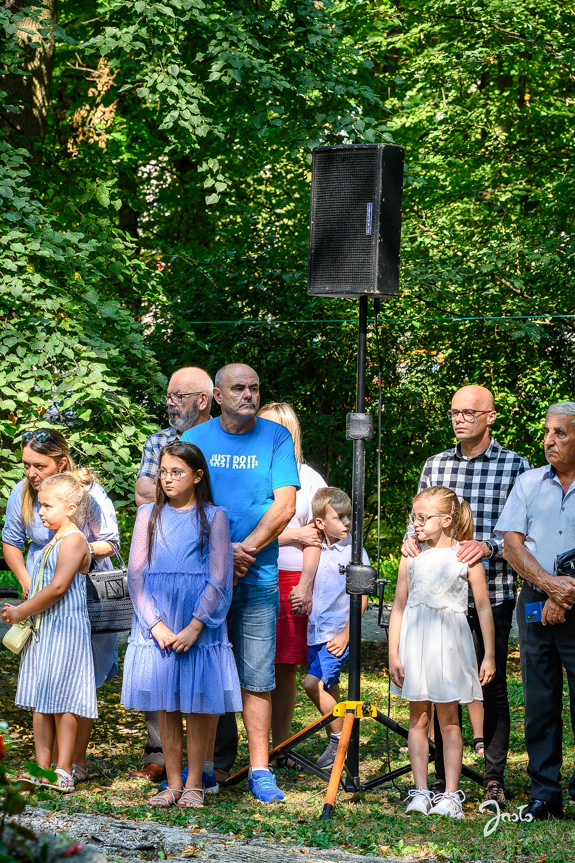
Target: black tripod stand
[360, 581]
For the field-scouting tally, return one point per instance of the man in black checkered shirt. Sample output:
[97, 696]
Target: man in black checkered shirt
[482, 472]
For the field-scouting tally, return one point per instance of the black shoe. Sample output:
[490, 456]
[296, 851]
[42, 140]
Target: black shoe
[437, 787]
[543, 809]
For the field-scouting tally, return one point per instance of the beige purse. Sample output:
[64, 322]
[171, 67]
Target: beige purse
[19, 633]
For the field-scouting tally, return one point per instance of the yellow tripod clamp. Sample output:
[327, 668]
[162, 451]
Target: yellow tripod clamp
[360, 709]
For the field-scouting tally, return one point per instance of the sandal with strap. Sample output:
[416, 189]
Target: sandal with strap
[479, 745]
[195, 802]
[165, 802]
[65, 783]
[28, 781]
[80, 774]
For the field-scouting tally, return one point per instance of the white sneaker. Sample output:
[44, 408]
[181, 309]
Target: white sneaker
[421, 801]
[448, 803]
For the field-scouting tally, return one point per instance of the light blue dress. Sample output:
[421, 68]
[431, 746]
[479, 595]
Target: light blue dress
[56, 671]
[182, 581]
[100, 526]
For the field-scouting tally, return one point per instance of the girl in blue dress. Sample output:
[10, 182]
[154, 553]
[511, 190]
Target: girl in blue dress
[45, 452]
[56, 678]
[179, 659]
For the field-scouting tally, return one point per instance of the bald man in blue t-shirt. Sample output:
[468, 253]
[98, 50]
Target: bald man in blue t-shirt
[253, 472]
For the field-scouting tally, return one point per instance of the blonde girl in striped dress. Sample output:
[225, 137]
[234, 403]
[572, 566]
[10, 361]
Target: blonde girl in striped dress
[56, 678]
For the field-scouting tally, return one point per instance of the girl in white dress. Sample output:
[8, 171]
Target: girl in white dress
[431, 655]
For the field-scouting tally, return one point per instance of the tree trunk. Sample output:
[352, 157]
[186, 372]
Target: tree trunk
[31, 92]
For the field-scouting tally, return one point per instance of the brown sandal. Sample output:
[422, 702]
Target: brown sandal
[479, 746]
[165, 802]
[195, 802]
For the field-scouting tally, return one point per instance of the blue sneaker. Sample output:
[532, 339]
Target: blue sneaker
[210, 783]
[164, 785]
[264, 787]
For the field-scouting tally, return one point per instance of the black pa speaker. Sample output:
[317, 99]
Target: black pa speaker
[355, 222]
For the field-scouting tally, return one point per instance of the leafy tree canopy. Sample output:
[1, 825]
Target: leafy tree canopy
[155, 175]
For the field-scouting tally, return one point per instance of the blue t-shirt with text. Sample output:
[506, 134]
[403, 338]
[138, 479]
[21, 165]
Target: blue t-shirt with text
[245, 469]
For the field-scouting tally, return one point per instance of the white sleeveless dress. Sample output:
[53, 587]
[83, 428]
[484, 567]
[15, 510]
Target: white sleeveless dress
[435, 643]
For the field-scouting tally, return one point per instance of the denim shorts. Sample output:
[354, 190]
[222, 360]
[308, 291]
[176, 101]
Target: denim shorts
[324, 665]
[253, 618]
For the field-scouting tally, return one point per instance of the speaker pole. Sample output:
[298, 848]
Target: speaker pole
[357, 503]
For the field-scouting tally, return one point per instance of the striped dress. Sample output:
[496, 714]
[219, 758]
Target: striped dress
[57, 671]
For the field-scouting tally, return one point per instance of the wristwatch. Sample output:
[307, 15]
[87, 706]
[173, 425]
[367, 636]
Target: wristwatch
[490, 546]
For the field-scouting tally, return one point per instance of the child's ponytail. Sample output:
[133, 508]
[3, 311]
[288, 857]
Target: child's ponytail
[463, 529]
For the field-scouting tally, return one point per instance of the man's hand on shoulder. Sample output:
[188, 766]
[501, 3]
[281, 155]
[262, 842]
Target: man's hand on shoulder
[471, 551]
[243, 559]
[411, 547]
[309, 535]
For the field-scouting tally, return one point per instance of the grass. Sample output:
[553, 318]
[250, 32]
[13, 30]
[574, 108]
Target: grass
[369, 824]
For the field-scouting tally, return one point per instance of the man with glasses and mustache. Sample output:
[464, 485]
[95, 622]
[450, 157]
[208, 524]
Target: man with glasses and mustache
[189, 400]
[482, 472]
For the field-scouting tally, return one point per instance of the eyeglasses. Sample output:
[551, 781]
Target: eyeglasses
[40, 436]
[468, 414]
[421, 520]
[177, 398]
[175, 474]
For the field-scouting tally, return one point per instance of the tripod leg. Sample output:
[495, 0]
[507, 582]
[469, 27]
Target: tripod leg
[286, 746]
[337, 768]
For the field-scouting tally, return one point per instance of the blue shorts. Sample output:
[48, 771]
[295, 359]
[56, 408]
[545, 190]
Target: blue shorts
[254, 614]
[324, 665]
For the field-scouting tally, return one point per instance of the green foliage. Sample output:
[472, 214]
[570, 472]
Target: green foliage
[8, 578]
[11, 803]
[72, 354]
[164, 220]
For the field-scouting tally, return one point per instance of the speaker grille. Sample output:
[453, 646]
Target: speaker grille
[342, 252]
[355, 220]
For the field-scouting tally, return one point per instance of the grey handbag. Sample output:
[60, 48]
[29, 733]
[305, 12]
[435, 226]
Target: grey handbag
[110, 608]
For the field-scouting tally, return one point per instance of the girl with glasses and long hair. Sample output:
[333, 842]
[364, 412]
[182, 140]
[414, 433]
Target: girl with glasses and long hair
[179, 659]
[431, 654]
[45, 453]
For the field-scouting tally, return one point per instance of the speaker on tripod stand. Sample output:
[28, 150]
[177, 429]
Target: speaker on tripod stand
[355, 234]
[354, 251]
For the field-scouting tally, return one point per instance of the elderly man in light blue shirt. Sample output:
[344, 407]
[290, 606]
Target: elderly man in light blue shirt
[538, 523]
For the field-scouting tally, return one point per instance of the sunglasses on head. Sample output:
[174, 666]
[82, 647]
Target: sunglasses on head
[40, 436]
